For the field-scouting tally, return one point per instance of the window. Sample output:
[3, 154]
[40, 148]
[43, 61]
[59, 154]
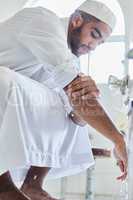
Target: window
[84, 64]
[107, 59]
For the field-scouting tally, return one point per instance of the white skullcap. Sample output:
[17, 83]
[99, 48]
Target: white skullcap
[99, 11]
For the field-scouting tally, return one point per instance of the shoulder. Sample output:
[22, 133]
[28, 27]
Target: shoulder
[39, 16]
[33, 12]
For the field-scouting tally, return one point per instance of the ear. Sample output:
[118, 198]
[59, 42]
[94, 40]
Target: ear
[77, 21]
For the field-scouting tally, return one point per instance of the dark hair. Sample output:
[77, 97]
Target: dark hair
[86, 17]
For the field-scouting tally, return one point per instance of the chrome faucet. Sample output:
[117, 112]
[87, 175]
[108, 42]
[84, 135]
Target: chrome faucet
[121, 84]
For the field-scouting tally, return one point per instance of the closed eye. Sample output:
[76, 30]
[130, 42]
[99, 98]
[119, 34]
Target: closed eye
[95, 33]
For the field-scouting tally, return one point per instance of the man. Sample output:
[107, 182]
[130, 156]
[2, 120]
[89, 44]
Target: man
[34, 43]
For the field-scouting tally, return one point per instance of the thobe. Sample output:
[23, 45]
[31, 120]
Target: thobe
[35, 127]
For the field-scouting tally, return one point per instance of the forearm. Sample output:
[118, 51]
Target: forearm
[94, 114]
[83, 94]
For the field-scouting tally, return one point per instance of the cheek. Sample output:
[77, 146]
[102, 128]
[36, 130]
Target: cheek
[85, 35]
[85, 38]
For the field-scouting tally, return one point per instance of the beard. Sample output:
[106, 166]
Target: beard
[75, 44]
[74, 40]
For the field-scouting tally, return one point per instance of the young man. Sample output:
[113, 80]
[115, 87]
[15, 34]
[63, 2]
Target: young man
[37, 130]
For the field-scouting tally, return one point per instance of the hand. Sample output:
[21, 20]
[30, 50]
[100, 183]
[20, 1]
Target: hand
[80, 90]
[120, 154]
[81, 87]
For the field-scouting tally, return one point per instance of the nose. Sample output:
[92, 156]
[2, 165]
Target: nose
[93, 45]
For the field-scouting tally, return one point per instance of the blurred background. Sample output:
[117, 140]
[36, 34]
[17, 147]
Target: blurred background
[99, 183]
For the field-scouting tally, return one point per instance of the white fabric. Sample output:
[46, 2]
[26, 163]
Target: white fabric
[100, 11]
[36, 131]
[39, 37]
[34, 43]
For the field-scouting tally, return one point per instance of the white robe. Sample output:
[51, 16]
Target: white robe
[35, 128]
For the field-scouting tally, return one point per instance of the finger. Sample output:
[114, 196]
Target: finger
[83, 79]
[87, 104]
[81, 74]
[83, 85]
[123, 168]
[125, 163]
[68, 91]
[86, 90]
[87, 97]
[94, 92]
[77, 77]
[122, 177]
[121, 165]
[78, 80]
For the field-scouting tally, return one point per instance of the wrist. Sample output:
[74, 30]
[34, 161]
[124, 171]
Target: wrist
[77, 119]
[119, 139]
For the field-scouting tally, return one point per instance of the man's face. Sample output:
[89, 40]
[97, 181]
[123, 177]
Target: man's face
[87, 37]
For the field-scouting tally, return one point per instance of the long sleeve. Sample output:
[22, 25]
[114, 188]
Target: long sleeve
[45, 37]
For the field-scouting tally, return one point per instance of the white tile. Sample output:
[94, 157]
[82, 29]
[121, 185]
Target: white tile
[76, 184]
[75, 197]
[106, 184]
[53, 186]
[106, 165]
[107, 197]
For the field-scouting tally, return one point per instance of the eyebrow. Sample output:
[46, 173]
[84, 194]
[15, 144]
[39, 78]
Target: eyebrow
[98, 31]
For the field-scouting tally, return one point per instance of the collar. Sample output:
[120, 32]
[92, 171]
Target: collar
[65, 23]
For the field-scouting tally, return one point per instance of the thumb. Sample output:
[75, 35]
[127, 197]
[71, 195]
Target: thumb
[81, 74]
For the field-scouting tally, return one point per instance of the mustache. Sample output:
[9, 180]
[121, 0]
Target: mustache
[85, 46]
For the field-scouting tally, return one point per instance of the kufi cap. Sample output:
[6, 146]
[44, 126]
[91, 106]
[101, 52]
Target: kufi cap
[99, 11]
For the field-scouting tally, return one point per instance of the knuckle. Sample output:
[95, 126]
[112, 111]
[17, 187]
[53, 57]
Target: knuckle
[93, 81]
[82, 78]
[89, 77]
